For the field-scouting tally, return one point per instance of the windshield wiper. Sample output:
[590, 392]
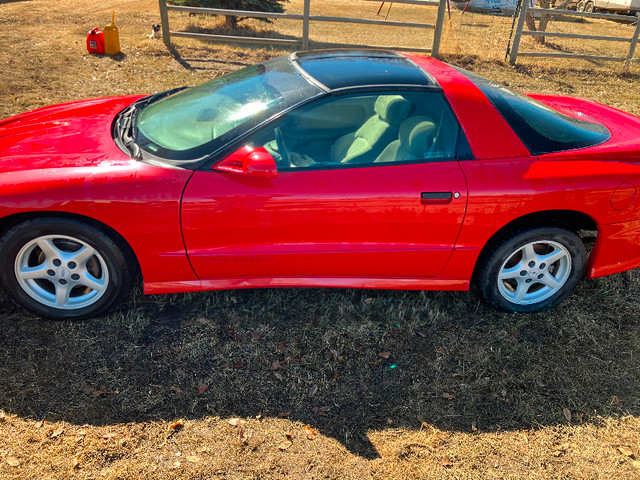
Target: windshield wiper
[127, 125]
[143, 102]
[125, 130]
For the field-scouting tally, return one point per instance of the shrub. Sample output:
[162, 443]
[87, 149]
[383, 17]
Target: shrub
[231, 21]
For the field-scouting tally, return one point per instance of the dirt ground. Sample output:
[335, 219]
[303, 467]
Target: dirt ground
[307, 383]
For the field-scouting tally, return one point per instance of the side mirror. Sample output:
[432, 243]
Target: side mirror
[254, 162]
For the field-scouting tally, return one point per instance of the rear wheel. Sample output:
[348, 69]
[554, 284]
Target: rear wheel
[580, 7]
[589, 6]
[532, 270]
[62, 268]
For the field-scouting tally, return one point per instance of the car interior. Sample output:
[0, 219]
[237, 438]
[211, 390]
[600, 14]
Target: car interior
[363, 129]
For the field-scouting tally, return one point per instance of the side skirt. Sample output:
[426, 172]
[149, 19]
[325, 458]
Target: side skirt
[313, 282]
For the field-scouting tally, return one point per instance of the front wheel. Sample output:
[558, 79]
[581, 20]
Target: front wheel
[62, 268]
[531, 270]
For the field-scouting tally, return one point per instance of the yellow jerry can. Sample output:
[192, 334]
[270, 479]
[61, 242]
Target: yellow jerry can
[111, 39]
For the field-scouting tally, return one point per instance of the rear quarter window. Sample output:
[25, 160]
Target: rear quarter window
[541, 128]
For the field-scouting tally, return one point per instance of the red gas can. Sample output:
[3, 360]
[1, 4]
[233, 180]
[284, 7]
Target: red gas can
[95, 41]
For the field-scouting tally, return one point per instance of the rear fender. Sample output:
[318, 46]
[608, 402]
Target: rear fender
[617, 249]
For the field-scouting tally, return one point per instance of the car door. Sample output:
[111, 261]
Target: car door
[393, 212]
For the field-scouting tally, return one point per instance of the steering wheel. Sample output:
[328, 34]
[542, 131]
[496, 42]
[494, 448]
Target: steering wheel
[282, 148]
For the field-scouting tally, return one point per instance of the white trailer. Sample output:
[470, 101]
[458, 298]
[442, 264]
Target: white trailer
[629, 7]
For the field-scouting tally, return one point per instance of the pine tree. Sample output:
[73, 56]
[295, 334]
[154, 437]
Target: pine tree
[231, 21]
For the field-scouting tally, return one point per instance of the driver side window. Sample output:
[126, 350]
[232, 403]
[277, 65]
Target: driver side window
[364, 129]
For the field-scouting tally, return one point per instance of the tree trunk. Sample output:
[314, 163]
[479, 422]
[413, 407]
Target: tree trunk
[230, 22]
[544, 21]
[542, 25]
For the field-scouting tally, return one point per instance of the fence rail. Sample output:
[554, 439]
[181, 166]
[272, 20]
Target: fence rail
[523, 7]
[304, 41]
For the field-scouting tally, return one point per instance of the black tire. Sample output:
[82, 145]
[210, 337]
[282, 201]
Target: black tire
[515, 276]
[580, 7]
[38, 271]
[589, 7]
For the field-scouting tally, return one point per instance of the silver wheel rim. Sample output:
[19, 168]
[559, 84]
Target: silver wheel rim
[534, 272]
[61, 272]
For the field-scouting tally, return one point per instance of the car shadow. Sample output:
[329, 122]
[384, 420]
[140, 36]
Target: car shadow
[346, 362]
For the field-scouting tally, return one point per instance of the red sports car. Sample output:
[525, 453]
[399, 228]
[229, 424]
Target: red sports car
[350, 168]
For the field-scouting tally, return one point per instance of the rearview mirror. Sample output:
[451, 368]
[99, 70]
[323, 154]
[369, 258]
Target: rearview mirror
[254, 162]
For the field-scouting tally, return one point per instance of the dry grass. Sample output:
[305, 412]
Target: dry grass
[459, 391]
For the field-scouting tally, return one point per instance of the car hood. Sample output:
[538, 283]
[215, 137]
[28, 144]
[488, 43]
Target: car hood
[73, 134]
[624, 144]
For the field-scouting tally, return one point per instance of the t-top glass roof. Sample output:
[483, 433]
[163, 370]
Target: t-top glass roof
[336, 69]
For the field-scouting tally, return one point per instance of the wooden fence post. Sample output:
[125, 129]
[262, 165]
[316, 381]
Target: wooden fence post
[634, 40]
[437, 34]
[513, 55]
[305, 25]
[164, 20]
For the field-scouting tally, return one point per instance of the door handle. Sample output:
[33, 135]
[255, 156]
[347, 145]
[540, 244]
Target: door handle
[429, 198]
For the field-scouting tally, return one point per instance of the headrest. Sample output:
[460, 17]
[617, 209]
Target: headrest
[416, 135]
[392, 108]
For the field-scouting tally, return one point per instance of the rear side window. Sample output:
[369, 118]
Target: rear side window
[541, 128]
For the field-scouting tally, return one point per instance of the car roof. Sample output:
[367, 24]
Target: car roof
[346, 69]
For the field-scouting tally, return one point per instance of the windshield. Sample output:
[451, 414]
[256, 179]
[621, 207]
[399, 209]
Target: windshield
[197, 121]
[541, 128]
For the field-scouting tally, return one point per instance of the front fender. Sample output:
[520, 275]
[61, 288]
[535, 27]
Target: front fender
[138, 201]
